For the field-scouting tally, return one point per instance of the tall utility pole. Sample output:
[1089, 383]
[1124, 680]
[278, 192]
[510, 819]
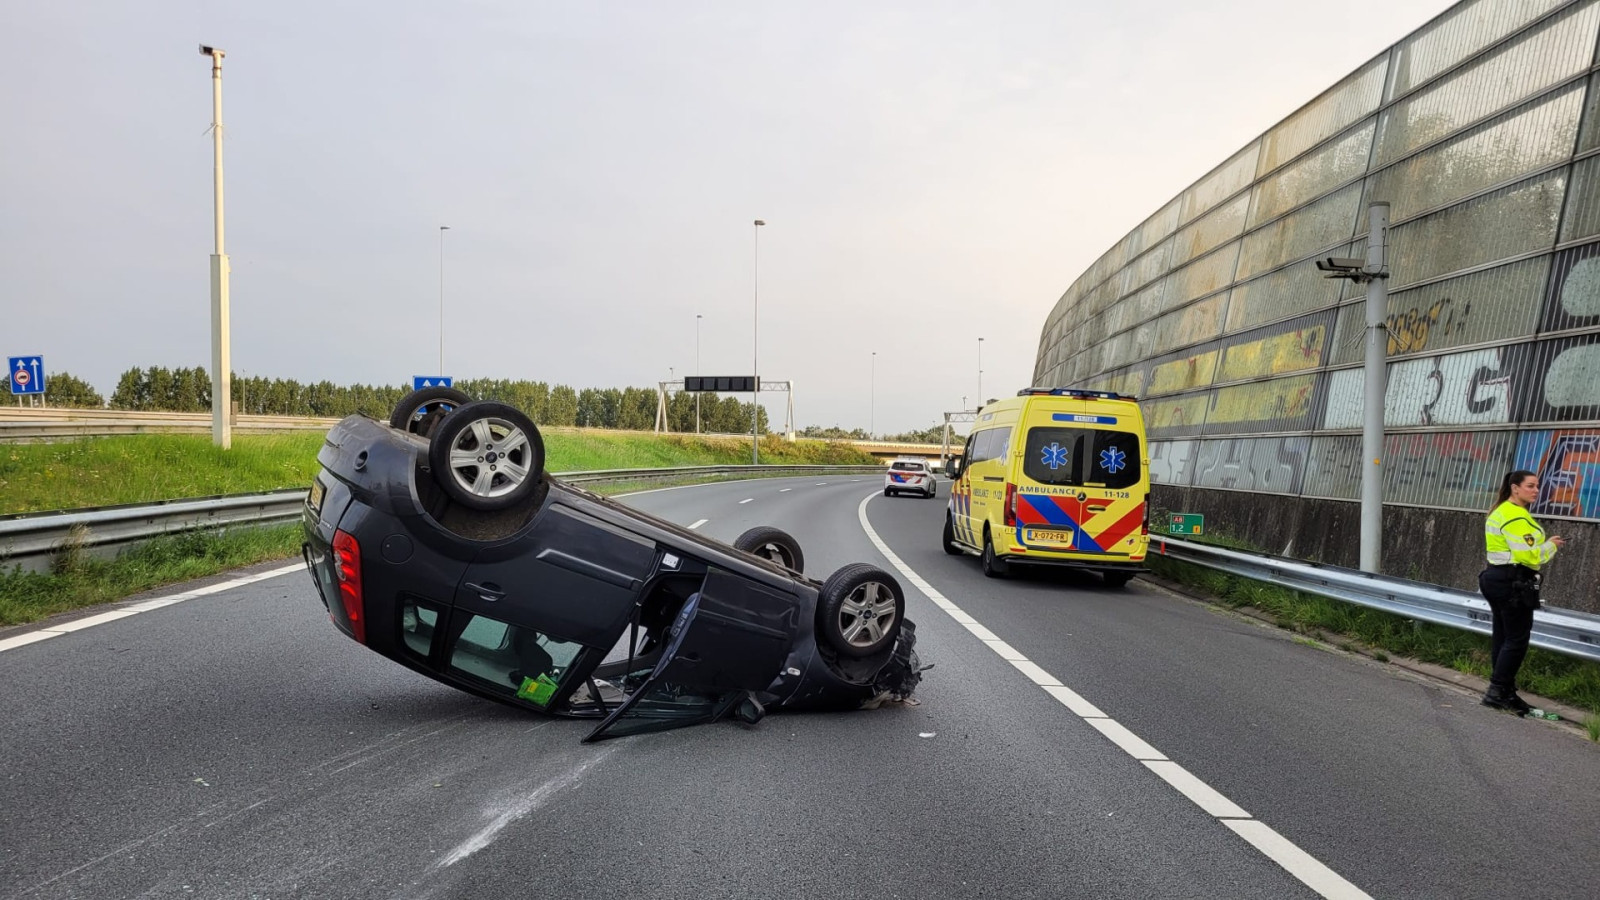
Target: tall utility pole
[221, 358]
[442, 230]
[980, 373]
[872, 404]
[697, 318]
[1377, 277]
[1374, 273]
[755, 353]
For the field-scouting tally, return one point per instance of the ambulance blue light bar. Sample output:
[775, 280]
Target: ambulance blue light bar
[1072, 392]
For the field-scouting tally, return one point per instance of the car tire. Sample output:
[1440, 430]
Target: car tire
[993, 565]
[931, 494]
[420, 411]
[950, 546]
[1117, 578]
[487, 456]
[859, 610]
[888, 493]
[771, 543]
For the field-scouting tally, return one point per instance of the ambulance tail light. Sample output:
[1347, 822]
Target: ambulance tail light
[1144, 528]
[1011, 505]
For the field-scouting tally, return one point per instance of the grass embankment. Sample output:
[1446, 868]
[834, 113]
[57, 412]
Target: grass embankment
[147, 468]
[1379, 634]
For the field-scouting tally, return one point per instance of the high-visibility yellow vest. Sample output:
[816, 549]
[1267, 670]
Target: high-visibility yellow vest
[1512, 536]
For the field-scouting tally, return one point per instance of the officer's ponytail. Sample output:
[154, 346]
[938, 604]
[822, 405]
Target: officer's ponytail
[1514, 477]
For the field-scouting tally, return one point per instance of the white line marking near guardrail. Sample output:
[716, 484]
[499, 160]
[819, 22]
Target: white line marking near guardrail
[46, 633]
[1274, 846]
[698, 523]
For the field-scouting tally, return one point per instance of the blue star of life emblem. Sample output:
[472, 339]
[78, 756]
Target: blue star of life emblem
[1113, 460]
[1055, 456]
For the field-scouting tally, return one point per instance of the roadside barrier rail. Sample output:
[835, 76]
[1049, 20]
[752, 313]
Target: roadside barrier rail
[1564, 631]
[34, 540]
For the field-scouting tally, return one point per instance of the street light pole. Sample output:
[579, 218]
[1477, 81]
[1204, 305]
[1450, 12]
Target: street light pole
[755, 351]
[442, 230]
[980, 373]
[221, 357]
[697, 318]
[872, 404]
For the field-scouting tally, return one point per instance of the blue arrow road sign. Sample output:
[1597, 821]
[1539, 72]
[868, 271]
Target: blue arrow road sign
[26, 374]
[418, 382]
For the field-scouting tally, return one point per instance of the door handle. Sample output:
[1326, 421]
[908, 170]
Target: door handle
[994, 478]
[487, 591]
[1096, 507]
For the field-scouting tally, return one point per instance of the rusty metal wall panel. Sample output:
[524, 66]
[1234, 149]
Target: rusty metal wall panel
[1534, 137]
[1324, 223]
[1457, 34]
[1527, 65]
[1509, 222]
[1327, 115]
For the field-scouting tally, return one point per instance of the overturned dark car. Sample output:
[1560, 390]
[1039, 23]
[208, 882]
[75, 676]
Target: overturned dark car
[439, 541]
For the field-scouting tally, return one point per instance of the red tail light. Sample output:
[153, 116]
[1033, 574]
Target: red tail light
[1144, 529]
[349, 571]
[1011, 505]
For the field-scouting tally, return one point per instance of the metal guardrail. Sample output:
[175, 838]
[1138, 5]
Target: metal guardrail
[1564, 631]
[33, 540]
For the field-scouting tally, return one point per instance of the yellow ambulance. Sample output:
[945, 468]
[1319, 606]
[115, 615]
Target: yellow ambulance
[1054, 476]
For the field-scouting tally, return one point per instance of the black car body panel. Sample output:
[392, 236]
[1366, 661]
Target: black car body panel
[571, 603]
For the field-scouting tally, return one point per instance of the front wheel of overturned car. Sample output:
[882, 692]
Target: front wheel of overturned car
[860, 609]
[487, 456]
[771, 543]
[993, 565]
[419, 412]
[950, 536]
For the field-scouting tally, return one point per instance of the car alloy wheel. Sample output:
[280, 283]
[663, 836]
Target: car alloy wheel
[487, 456]
[860, 610]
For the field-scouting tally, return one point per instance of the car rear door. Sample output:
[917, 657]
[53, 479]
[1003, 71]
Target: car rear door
[730, 639]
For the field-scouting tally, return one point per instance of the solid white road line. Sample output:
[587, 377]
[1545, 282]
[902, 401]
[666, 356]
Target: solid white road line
[698, 523]
[1295, 861]
[46, 633]
[745, 500]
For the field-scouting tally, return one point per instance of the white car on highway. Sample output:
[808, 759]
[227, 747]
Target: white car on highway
[908, 474]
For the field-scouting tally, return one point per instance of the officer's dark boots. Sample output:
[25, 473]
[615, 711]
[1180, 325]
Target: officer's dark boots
[1501, 698]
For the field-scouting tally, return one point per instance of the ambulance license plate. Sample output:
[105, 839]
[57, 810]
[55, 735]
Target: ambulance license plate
[1049, 537]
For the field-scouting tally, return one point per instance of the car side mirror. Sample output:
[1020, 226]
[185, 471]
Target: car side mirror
[955, 471]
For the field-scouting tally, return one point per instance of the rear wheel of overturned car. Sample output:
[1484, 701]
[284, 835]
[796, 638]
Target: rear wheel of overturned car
[487, 456]
[950, 536]
[993, 565]
[420, 411]
[860, 610]
[771, 543]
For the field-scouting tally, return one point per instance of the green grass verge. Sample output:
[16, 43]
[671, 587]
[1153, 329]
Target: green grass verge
[146, 468]
[1545, 673]
[80, 581]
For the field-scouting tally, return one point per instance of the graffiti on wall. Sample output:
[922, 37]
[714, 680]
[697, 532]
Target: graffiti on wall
[1411, 329]
[1273, 464]
[1472, 388]
[1568, 465]
[1172, 462]
[1563, 383]
[1453, 469]
[1278, 354]
[1282, 404]
[1176, 416]
[1192, 371]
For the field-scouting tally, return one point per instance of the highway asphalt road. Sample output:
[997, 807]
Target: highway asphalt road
[1070, 741]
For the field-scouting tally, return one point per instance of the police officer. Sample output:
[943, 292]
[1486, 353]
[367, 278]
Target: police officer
[1516, 547]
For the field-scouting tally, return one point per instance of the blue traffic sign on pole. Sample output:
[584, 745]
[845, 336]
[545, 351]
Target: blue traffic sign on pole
[26, 374]
[418, 382]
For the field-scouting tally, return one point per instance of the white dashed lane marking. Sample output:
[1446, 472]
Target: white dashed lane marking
[745, 500]
[1274, 846]
[699, 522]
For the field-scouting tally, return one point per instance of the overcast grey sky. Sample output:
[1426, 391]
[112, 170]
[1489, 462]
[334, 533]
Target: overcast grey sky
[929, 173]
